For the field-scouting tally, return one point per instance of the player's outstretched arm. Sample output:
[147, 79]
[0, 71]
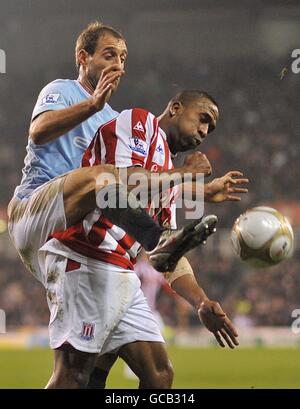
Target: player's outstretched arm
[52, 124]
[210, 312]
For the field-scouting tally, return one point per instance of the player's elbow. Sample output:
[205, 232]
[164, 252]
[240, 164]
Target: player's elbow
[36, 137]
[37, 133]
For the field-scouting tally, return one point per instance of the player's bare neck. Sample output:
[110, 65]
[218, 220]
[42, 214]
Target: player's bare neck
[84, 82]
[170, 130]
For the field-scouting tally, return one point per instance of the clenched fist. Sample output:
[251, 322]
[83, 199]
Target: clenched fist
[197, 162]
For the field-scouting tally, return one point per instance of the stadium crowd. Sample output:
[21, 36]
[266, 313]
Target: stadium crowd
[257, 133]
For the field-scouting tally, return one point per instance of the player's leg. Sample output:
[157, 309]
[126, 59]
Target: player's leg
[87, 188]
[58, 203]
[84, 187]
[100, 372]
[31, 221]
[150, 362]
[138, 341]
[174, 245]
[79, 191]
[72, 368]
[85, 302]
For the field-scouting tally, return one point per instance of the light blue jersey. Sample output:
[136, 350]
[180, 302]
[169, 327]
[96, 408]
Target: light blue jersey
[45, 162]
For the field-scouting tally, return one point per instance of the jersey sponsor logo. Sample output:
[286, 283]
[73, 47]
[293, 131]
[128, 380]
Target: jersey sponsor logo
[159, 149]
[87, 332]
[139, 127]
[50, 99]
[138, 146]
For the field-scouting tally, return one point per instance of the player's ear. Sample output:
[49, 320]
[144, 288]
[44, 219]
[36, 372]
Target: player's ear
[175, 108]
[82, 57]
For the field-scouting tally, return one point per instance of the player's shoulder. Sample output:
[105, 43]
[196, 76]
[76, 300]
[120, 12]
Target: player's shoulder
[138, 122]
[137, 115]
[141, 111]
[62, 81]
[62, 85]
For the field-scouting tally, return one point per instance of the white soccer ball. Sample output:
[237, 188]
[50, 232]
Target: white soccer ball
[262, 237]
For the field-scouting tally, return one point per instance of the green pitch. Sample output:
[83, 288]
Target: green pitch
[194, 368]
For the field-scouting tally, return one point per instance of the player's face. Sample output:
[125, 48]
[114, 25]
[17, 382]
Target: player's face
[194, 122]
[109, 50]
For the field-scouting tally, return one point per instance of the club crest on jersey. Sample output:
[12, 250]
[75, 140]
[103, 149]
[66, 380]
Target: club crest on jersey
[138, 146]
[139, 127]
[50, 99]
[87, 332]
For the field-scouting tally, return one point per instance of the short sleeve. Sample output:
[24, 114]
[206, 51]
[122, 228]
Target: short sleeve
[53, 96]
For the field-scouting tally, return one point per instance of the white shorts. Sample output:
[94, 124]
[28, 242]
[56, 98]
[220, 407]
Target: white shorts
[96, 307]
[33, 219]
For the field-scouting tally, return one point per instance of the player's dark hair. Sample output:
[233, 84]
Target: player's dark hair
[188, 96]
[88, 38]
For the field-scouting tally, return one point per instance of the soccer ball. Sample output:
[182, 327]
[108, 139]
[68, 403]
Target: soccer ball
[262, 237]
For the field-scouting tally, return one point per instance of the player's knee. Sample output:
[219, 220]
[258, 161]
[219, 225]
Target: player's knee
[81, 379]
[74, 379]
[167, 376]
[101, 175]
[78, 379]
[98, 176]
[162, 378]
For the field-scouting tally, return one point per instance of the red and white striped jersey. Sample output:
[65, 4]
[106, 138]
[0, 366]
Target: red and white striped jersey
[132, 139]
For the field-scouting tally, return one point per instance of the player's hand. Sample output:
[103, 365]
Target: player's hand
[197, 162]
[216, 321]
[108, 82]
[226, 188]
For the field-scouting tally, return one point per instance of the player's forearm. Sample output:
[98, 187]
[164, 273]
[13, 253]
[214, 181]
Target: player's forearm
[197, 191]
[187, 287]
[51, 125]
[208, 192]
